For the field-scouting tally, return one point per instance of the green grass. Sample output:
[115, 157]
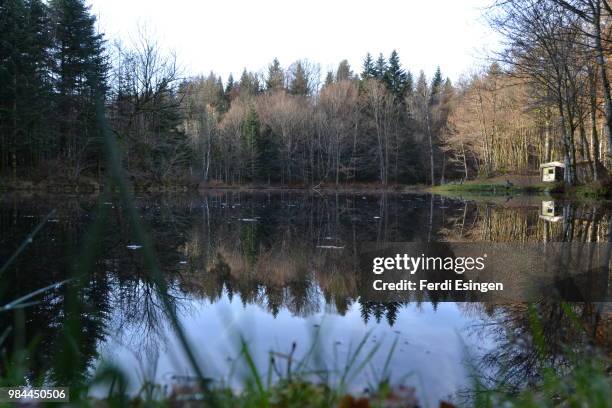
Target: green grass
[489, 189]
[482, 188]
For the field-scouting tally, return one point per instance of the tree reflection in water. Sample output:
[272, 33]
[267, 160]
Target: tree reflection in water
[282, 251]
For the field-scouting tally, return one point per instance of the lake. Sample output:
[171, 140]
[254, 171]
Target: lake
[275, 269]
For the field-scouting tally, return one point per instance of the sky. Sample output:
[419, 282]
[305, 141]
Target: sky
[230, 35]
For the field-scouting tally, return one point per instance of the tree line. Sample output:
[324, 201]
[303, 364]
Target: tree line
[545, 97]
[284, 127]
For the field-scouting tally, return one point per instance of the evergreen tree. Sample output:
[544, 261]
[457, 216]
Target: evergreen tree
[25, 87]
[222, 99]
[229, 87]
[299, 83]
[276, 76]
[260, 149]
[380, 68]
[169, 148]
[329, 79]
[12, 33]
[230, 90]
[80, 70]
[344, 71]
[37, 82]
[249, 84]
[395, 77]
[268, 156]
[250, 136]
[448, 92]
[368, 71]
[409, 87]
[436, 84]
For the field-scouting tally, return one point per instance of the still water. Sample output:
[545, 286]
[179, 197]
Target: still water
[276, 269]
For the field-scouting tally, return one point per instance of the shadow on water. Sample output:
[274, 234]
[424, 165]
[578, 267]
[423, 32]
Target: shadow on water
[285, 258]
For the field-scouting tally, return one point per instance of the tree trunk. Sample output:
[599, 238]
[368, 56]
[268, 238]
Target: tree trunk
[431, 151]
[465, 167]
[547, 138]
[593, 116]
[568, 175]
[584, 148]
[601, 62]
[443, 168]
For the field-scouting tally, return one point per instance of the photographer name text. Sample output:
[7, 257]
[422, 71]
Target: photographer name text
[413, 264]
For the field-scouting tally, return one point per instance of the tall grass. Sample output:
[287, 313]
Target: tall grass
[587, 384]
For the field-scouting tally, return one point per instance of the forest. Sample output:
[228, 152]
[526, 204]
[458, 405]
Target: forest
[543, 96]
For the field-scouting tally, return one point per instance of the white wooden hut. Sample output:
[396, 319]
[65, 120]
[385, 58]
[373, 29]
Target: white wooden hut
[552, 172]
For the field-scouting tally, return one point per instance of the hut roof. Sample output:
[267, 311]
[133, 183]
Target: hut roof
[552, 164]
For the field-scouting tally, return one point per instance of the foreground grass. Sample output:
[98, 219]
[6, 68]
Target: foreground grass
[588, 385]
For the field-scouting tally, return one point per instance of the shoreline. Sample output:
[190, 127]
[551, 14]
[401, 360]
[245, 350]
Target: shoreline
[94, 186]
[479, 188]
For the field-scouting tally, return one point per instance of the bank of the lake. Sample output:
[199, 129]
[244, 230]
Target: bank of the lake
[482, 187]
[522, 185]
[88, 185]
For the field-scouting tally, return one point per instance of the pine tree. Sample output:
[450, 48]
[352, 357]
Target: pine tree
[81, 76]
[395, 77]
[12, 32]
[25, 86]
[329, 79]
[276, 76]
[344, 71]
[448, 93]
[249, 84]
[222, 98]
[436, 84]
[268, 156]
[38, 79]
[230, 90]
[250, 136]
[368, 71]
[299, 83]
[229, 87]
[409, 87]
[380, 68]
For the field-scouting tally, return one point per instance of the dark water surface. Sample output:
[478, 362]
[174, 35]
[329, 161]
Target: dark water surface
[276, 269]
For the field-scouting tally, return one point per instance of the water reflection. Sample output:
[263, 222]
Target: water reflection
[283, 258]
